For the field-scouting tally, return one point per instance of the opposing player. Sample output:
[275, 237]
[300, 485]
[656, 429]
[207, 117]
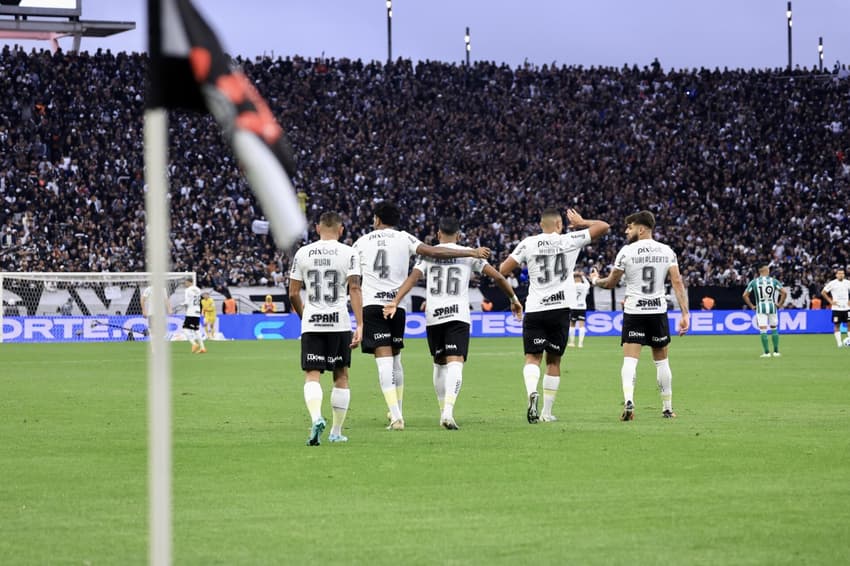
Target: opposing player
[447, 313]
[551, 258]
[646, 264]
[324, 269]
[192, 322]
[208, 310]
[765, 289]
[578, 314]
[385, 261]
[837, 294]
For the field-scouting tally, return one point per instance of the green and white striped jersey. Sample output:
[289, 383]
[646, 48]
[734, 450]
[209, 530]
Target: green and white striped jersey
[765, 290]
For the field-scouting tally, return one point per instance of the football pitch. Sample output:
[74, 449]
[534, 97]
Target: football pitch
[756, 469]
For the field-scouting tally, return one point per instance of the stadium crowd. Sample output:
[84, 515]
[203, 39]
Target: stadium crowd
[739, 166]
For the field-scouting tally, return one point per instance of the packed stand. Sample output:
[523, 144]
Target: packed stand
[739, 166]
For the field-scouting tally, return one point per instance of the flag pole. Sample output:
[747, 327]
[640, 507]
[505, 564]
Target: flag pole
[159, 370]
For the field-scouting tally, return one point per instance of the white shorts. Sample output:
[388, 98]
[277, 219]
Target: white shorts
[766, 320]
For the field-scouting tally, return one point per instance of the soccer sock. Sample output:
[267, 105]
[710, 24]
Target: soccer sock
[199, 338]
[190, 335]
[313, 399]
[440, 384]
[340, 399]
[665, 383]
[454, 380]
[838, 338]
[775, 337]
[550, 390]
[385, 378]
[398, 378]
[764, 345]
[531, 375]
[628, 373]
[572, 335]
[581, 332]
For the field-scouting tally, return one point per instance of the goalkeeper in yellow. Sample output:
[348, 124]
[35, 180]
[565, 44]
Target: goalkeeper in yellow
[208, 311]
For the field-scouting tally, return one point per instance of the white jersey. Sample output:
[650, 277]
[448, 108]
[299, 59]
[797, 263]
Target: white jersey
[582, 289]
[645, 264]
[840, 293]
[447, 291]
[384, 262]
[192, 301]
[324, 267]
[151, 305]
[551, 259]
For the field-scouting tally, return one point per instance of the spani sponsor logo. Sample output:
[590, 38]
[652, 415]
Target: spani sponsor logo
[324, 319]
[554, 298]
[445, 311]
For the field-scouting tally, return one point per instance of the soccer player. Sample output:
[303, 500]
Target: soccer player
[208, 310]
[579, 313]
[551, 258]
[323, 269]
[447, 313]
[192, 322]
[765, 290]
[384, 262]
[837, 294]
[148, 306]
[646, 264]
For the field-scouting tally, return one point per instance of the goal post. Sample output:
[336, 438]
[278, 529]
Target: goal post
[83, 306]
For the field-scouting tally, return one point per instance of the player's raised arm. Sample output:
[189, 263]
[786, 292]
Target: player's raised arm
[440, 252]
[597, 228]
[356, 296]
[406, 286]
[502, 283]
[681, 298]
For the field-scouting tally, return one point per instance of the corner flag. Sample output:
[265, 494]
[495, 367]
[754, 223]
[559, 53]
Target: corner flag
[189, 70]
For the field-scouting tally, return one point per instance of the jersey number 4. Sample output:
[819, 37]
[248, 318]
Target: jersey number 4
[380, 265]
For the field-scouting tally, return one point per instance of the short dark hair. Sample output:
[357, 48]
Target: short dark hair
[449, 225]
[644, 218]
[388, 213]
[550, 212]
[330, 218]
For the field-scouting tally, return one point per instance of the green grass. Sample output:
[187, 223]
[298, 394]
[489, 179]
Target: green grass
[756, 469]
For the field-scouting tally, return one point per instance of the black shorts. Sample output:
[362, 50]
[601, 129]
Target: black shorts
[379, 331]
[546, 331]
[646, 329]
[325, 350]
[448, 339]
[192, 322]
[840, 316]
[578, 314]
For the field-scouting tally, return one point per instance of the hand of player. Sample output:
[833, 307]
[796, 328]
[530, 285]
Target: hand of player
[389, 310]
[356, 337]
[574, 219]
[516, 308]
[482, 253]
[684, 324]
[594, 275]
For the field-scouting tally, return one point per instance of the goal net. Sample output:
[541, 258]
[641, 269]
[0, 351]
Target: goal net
[80, 307]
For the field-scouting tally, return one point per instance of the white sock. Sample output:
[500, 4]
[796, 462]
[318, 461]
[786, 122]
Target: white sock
[581, 332]
[550, 390]
[199, 338]
[454, 381]
[340, 399]
[313, 399]
[531, 375]
[838, 338]
[665, 384]
[385, 378]
[572, 335]
[398, 378]
[440, 384]
[190, 335]
[628, 374]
